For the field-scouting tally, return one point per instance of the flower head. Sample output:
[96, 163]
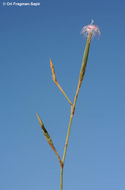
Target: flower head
[91, 28]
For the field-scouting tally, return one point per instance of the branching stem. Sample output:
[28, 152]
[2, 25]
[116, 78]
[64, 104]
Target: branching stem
[46, 134]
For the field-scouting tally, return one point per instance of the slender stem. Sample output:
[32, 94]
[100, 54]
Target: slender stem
[56, 82]
[70, 122]
[67, 138]
[82, 72]
[61, 184]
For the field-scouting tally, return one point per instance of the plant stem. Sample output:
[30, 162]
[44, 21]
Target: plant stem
[61, 185]
[56, 82]
[82, 72]
[67, 138]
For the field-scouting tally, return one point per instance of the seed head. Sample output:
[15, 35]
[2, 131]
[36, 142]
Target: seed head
[91, 28]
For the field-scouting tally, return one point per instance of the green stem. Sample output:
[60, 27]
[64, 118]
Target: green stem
[82, 72]
[63, 92]
[61, 185]
[67, 138]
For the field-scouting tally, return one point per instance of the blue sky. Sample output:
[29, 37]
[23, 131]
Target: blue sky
[29, 36]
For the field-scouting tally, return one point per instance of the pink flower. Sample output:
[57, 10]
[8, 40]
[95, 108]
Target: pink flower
[90, 29]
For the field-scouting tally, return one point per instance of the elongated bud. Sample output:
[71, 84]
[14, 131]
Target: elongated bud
[53, 71]
[47, 136]
[90, 31]
[85, 58]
